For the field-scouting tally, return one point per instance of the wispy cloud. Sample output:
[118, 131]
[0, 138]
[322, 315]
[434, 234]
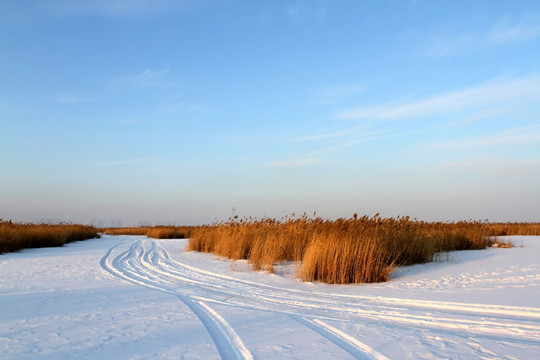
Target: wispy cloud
[323, 152]
[525, 89]
[351, 135]
[504, 32]
[517, 136]
[490, 100]
[144, 79]
[451, 45]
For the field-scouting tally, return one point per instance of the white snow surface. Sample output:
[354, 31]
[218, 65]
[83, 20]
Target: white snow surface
[131, 297]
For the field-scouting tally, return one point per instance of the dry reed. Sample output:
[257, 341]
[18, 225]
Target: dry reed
[354, 250]
[157, 232]
[14, 236]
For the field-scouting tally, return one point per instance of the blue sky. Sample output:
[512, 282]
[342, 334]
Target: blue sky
[179, 111]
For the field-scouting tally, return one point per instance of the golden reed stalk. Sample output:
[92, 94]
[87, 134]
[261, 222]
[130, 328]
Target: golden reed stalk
[157, 232]
[355, 250]
[15, 236]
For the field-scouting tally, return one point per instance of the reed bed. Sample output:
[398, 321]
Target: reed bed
[14, 236]
[355, 250]
[157, 232]
[513, 228]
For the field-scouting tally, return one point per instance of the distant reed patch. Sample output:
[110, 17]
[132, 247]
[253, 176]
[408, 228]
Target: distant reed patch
[157, 232]
[15, 236]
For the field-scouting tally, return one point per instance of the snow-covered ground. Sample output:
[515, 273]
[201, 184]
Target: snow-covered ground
[128, 297]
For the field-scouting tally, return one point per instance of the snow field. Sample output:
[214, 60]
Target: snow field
[133, 297]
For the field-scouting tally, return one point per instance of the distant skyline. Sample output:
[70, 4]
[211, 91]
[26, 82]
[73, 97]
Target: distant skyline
[180, 111]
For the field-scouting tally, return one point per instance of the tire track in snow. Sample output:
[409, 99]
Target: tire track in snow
[152, 267]
[170, 267]
[511, 312]
[351, 345]
[227, 342]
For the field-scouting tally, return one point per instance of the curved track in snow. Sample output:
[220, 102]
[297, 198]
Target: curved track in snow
[146, 263]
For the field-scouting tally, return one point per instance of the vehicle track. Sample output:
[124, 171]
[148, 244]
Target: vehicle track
[146, 263]
[227, 342]
[351, 345]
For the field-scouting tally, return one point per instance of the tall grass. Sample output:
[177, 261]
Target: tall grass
[157, 232]
[14, 236]
[354, 250]
[513, 228]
